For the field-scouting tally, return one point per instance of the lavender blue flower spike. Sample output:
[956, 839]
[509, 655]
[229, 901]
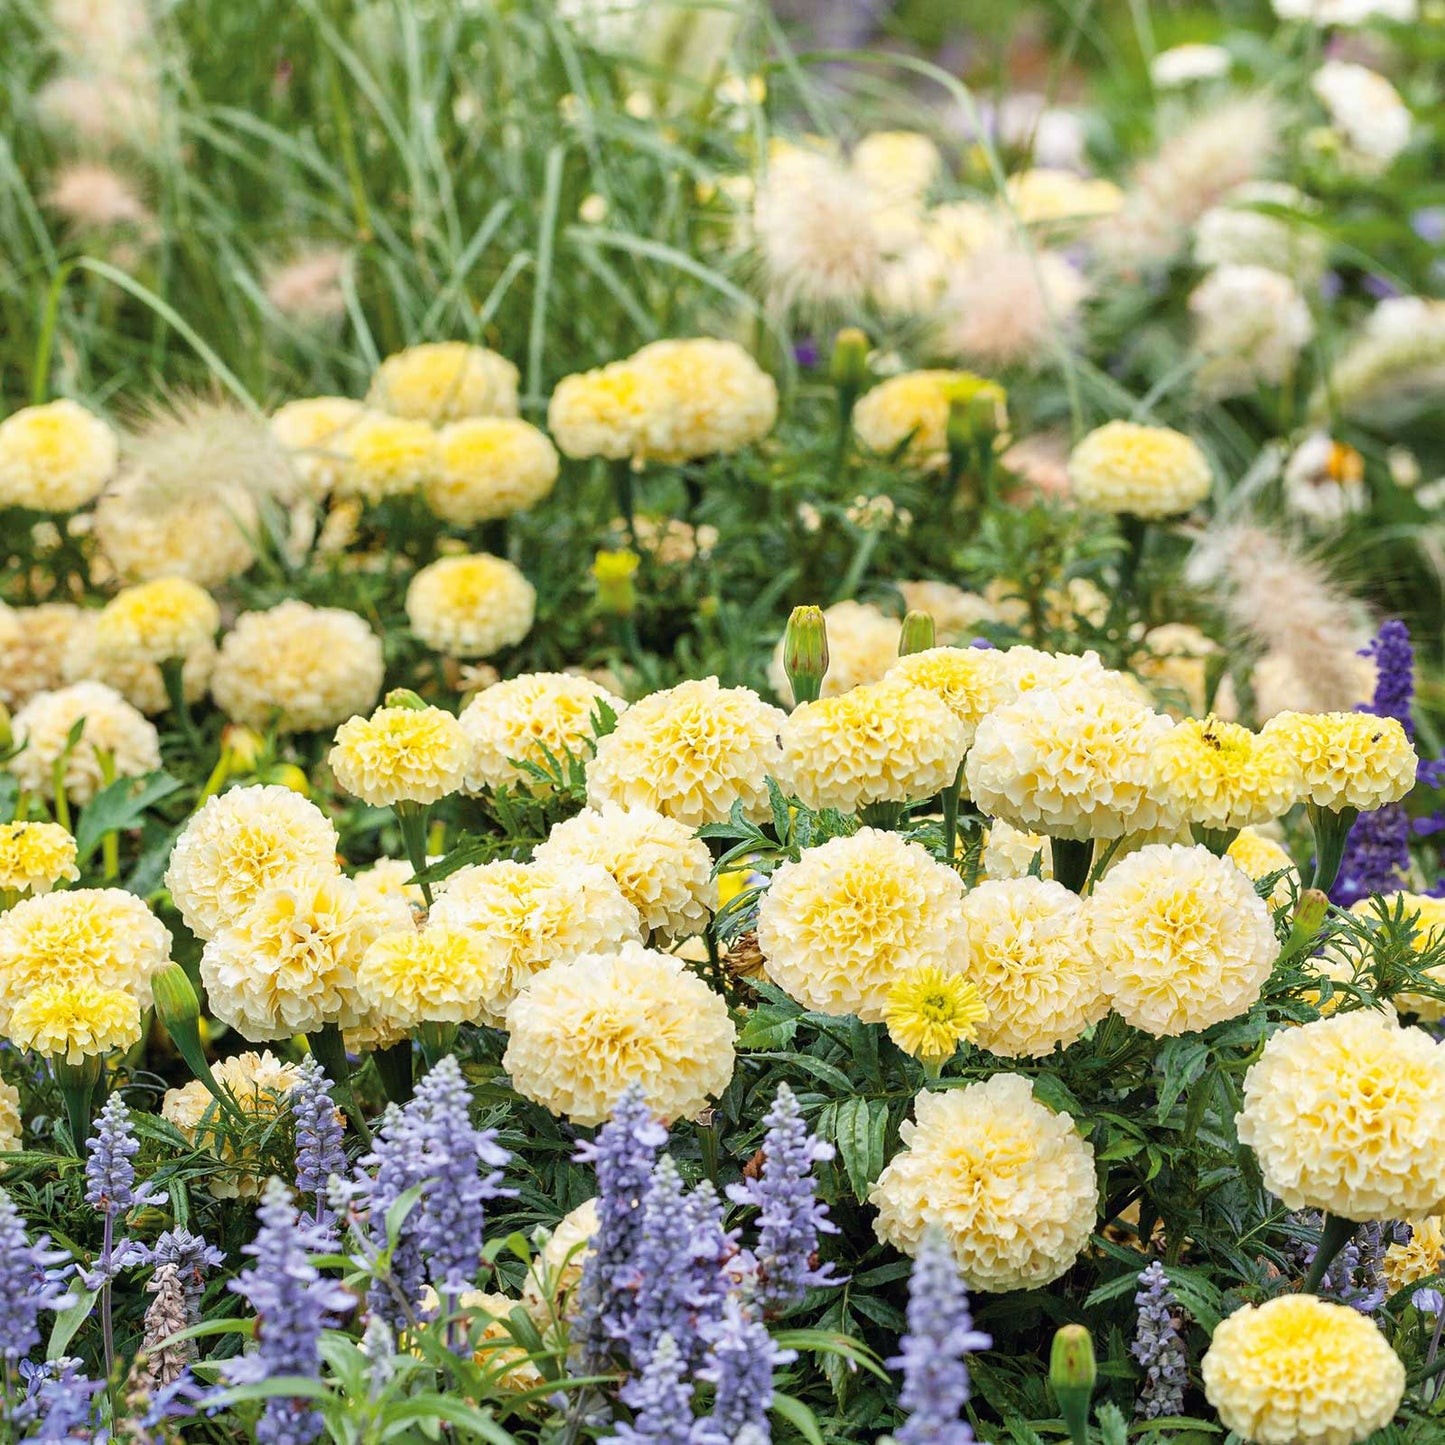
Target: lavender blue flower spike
[660, 1399]
[319, 1151]
[29, 1283]
[1158, 1347]
[740, 1369]
[932, 1353]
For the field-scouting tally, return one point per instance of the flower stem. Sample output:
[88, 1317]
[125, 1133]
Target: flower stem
[394, 1064]
[1333, 1238]
[1072, 858]
[1331, 830]
[172, 671]
[412, 819]
[950, 815]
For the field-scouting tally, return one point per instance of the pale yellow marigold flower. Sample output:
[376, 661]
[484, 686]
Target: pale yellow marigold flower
[547, 1293]
[1298, 1368]
[1027, 950]
[139, 681]
[971, 680]
[531, 915]
[662, 867]
[102, 936]
[957, 615]
[839, 926]
[525, 718]
[1008, 852]
[490, 467]
[12, 1126]
[930, 1012]
[1008, 1181]
[288, 964]
[440, 975]
[888, 742]
[33, 642]
[389, 878]
[1427, 916]
[1072, 762]
[914, 407]
[314, 432]
[74, 1021]
[34, 857]
[707, 397]
[896, 165]
[1259, 856]
[385, 456]
[1344, 1116]
[1030, 669]
[1421, 1256]
[112, 726]
[1219, 775]
[507, 1364]
[239, 844]
[584, 1030]
[862, 646]
[1347, 759]
[55, 457]
[400, 755]
[471, 606]
[600, 413]
[444, 381]
[1144, 471]
[1050, 194]
[155, 621]
[691, 751]
[1182, 937]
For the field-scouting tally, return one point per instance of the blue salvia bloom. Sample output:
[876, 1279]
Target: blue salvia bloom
[623, 1155]
[1394, 658]
[790, 1218]
[678, 1267]
[1158, 1347]
[59, 1403]
[1353, 1276]
[742, 1358]
[293, 1302]
[660, 1399]
[111, 1189]
[933, 1351]
[319, 1152]
[29, 1283]
[397, 1285]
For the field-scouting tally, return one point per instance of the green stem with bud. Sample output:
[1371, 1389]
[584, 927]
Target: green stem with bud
[411, 818]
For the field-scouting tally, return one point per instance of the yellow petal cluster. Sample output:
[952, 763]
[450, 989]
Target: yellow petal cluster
[1298, 1368]
[12, 1126]
[1008, 1181]
[1144, 471]
[313, 431]
[1419, 1257]
[112, 726]
[973, 681]
[35, 856]
[440, 975]
[583, 1031]
[1343, 1115]
[470, 606]
[489, 467]
[930, 1012]
[444, 381]
[137, 679]
[1009, 852]
[55, 457]
[1258, 856]
[400, 755]
[385, 456]
[1347, 759]
[74, 1021]
[913, 408]
[155, 621]
[843, 923]
[1220, 775]
[33, 642]
[600, 413]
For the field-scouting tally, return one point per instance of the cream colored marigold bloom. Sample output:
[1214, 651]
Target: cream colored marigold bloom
[600, 413]
[139, 681]
[314, 431]
[1421, 1256]
[1174, 660]
[489, 467]
[82, 936]
[1258, 856]
[862, 646]
[470, 606]
[55, 457]
[1182, 937]
[288, 964]
[1009, 852]
[400, 755]
[583, 1031]
[525, 718]
[690, 751]
[912, 407]
[531, 915]
[33, 642]
[155, 621]
[1072, 763]
[112, 726]
[1145, 471]
[896, 165]
[1343, 1115]
[889, 742]
[557, 1266]
[389, 878]
[1298, 1368]
[442, 381]
[74, 1021]
[1427, 917]
[707, 397]
[385, 456]
[662, 867]
[239, 844]
[1219, 775]
[1027, 950]
[439, 975]
[1045, 195]
[298, 668]
[508, 1365]
[1010, 1183]
[972, 681]
[839, 926]
[1347, 759]
[930, 1012]
[1030, 669]
[35, 856]
[12, 1126]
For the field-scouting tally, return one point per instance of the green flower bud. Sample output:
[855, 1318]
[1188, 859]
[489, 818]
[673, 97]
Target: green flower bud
[805, 653]
[613, 572]
[1072, 1373]
[848, 365]
[404, 697]
[917, 634]
[175, 995]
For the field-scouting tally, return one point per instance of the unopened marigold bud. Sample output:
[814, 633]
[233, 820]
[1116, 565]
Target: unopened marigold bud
[241, 747]
[7, 733]
[805, 653]
[848, 365]
[1072, 1372]
[175, 997]
[613, 573]
[404, 697]
[917, 634]
[288, 775]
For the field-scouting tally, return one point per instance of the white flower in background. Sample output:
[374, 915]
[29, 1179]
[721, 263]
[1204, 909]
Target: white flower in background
[1366, 109]
[1053, 135]
[1394, 369]
[1006, 306]
[1324, 480]
[1250, 325]
[1184, 64]
[1234, 233]
[1346, 12]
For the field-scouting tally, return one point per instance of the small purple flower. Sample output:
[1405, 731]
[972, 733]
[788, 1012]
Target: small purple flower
[29, 1283]
[660, 1399]
[59, 1403]
[319, 1151]
[741, 1361]
[192, 1257]
[1158, 1347]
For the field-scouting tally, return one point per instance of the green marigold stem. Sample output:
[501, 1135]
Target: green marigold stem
[1335, 1235]
[1072, 859]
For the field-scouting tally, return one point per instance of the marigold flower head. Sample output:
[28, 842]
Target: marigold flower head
[1258, 856]
[1145, 471]
[400, 755]
[314, 431]
[585, 1030]
[599, 413]
[888, 742]
[444, 381]
[839, 926]
[33, 642]
[708, 397]
[524, 719]
[557, 1266]
[1419, 1257]
[1182, 937]
[470, 606]
[930, 1012]
[1010, 853]
[155, 621]
[489, 467]
[1347, 759]
[74, 1021]
[55, 457]
[691, 752]
[240, 843]
[385, 456]
[12, 1126]
[1343, 1115]
[913, 408]
[112, 726]
[439, 975]
[148, 531]
[862, 646]
[971, 680]
[1027, 950]
[35, 856]
[139, 681]
[1220, 775]
[1301, 1368]
[1008, 1181]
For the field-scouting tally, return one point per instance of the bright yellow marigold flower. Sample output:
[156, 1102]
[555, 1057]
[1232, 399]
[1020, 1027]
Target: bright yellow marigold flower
[470, 606]
[156, 621]
[35, 856]
[1219, 775]
[55, 457]
[75, 1021]
[111, 725]
[1347, 759]
[930, 1012]
[1145, 471]
[1298, 1368]
[12, 1126]
[401, 755]
[914, 407]
[443, 381]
